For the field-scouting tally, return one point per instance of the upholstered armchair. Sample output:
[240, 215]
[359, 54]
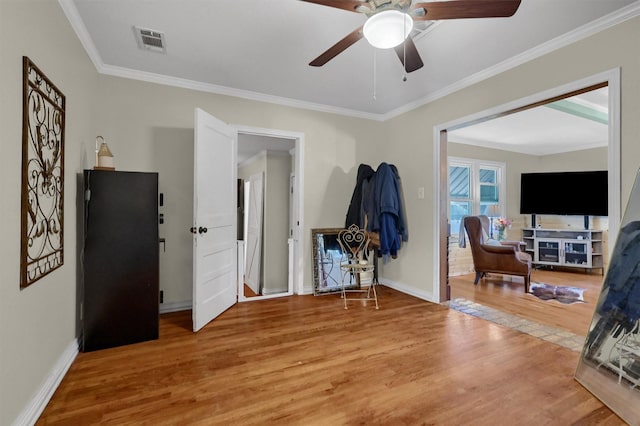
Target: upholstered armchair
[499, 258]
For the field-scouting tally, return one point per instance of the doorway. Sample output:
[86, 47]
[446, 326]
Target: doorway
[269, 213]
[609, 78]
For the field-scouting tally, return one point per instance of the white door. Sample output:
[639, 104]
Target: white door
[253, 259]
[214, 219]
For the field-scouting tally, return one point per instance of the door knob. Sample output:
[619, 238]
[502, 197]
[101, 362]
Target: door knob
[202, 230]
[193, 229]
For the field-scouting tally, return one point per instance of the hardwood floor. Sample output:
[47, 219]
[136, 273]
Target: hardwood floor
[304, 360]
[506, 293]
[248, 292]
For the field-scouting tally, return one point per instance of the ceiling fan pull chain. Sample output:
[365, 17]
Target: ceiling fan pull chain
[375, 85]
[404, 50]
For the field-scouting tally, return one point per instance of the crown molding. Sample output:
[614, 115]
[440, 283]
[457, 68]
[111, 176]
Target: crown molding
[72, 14]
[601, 24]
[230, 91]
[70, 10]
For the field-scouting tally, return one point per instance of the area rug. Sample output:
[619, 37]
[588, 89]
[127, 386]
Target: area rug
[553, 292]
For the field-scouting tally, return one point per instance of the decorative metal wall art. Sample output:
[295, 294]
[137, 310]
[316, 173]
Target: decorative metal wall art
[42, 222]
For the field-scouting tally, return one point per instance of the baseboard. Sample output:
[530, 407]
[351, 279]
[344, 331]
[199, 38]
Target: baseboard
[32, 411]
[185, 305]
[268, 292]
[407, 289]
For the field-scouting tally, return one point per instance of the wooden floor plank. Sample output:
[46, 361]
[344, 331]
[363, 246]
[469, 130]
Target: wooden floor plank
[506, 293]
[304, 360]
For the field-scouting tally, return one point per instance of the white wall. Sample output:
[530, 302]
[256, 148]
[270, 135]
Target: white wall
[38, 324]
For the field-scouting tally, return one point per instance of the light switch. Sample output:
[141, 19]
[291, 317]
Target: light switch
[421, 192]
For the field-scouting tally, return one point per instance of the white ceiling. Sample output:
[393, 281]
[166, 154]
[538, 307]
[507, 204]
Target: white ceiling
[259, 49]
[542, 130]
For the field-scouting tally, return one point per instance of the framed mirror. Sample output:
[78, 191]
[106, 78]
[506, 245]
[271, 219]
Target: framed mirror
[609, 366]
[326, 255]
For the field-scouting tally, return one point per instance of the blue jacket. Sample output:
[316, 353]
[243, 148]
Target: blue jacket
[382, 202]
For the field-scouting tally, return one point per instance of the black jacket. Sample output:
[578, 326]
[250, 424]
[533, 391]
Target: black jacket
[353, 213]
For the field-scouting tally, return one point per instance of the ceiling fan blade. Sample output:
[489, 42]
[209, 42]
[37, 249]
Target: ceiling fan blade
[459, 9]
[414, 62]
[350, 5]
[337, 48]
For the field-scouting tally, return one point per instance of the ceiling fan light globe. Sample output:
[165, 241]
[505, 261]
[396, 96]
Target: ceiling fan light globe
[387, 29]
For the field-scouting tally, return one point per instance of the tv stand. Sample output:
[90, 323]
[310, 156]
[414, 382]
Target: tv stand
[565, 247]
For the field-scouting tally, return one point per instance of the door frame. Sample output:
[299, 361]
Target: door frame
[440, 193]
[297, 244]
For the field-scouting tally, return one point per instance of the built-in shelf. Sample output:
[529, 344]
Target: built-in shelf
[563, 247]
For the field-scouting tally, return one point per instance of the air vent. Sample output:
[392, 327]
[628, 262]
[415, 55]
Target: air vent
[150, 39]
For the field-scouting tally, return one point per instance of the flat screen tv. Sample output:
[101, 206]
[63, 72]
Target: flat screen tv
[565, 193]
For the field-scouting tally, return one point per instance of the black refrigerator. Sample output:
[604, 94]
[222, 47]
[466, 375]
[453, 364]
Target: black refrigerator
[119, 259]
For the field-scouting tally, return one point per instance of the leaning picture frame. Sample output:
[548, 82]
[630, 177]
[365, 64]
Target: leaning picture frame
[609, 366]
[326, 257]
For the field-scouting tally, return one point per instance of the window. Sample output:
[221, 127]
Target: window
[475, 187]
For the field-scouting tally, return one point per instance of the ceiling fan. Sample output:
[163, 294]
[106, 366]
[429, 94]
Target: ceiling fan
[390, 22]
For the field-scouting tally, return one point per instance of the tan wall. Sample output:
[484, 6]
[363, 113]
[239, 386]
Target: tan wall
[252, 166]
[149, 126]
[410, 142]
[172, 158]
[275, 250]
[276, 223]
[135, 115]
[38, 324]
